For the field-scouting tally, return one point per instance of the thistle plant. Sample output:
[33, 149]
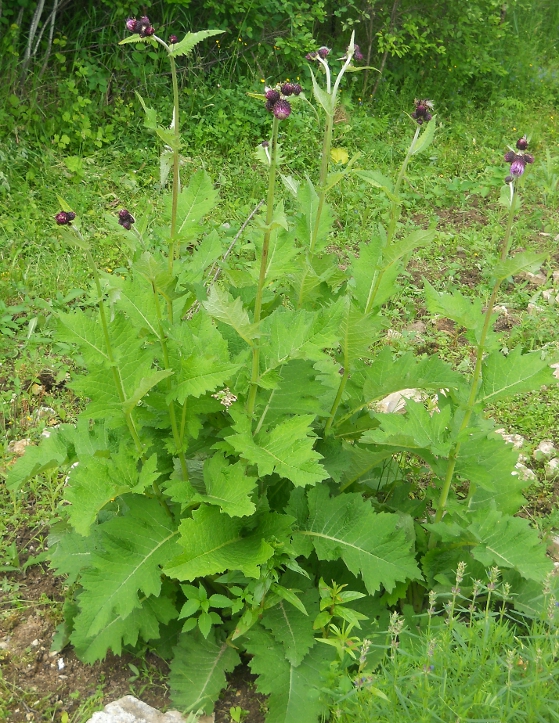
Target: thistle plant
[230, 456]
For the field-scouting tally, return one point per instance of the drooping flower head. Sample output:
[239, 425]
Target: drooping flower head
[63, 218]
[131, 25]
[517, 167]
[297, 90]
[324, 52]
[126, 219]
[272, 95]
[144, 28]
[422, 112]
[276, 102]
[313, 55]
[282, 109]
[357, 54]
[518, 161]
[287, 89]
[173, 39]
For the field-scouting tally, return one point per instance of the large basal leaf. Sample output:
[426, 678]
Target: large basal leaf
[358, 332]
[143, 622]
[294, 691]
[399, 249]
[287, 449]
[291, 628]
[214, 542]
[504, 376]
[509, 542]
[461, 309]
[194, 202]
[371, 544]
[228, 486]
[198, 671]
[416, 429]
[69, 552]
[224, 308]
[133, 547]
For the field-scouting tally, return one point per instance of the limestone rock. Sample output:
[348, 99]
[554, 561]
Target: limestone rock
[552, 468]
[17, 446]
[516, 440]
[396, 402]
[545, 448]
[525, 473]
[131, 710]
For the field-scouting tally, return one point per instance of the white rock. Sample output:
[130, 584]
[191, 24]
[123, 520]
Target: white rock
[517, 440]
[500, 309]
[556, 277]
[555, 368]
[545, 448]
[552, 468]
[17, 446]
[131, 710]
[396, 402]
[525, 473]
[549, 296]
[535, 279]
[533, 309]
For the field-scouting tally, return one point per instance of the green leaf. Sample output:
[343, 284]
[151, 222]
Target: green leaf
[371, 544]
[214, 542]
[426, 138]
[525, 261]
[321, 96]
[416, 429]
[190, 40]
[51, 453]
[133, 548]
[287, 450]
[204, 255]
[510, 542]
[365, 267]
[307, 233]
[194, 202]
[358, 332]
[227, 486]
[294, 690]
[399, 249]
[292, 628]
[517, 373]
[198, 671]
[143, 387]
[150, 120]
[377, 180]
[222, 306]
[461, 309]
[140, 304]
[70, 553]
[143, 622]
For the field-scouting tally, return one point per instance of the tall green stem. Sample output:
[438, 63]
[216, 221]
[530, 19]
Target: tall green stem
[476, 376]
[176, 162]
[326, 146]
[272, 172]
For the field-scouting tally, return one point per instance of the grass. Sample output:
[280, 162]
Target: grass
[456, 187]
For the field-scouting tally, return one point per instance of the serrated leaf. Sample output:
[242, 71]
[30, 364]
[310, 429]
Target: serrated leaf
[377, 180]
[358, 331]
[510, 542]
[308, 234]
[228, 486]
[204, 255]
[139, 302]
[190, 40]
[294, 691]
[128, 564]
[51, 453]
[516, 373]
[194, 202]
[321, 96]
[143, 622]
[287, 449]
[399, 249]
[461, 309]
[69, 552]
[214, 542]
[486, 462]
[198, 671]
[292, 628]
[365, 267]
[370, 544]
[426, 138]
[143, 387]
[150, 120]
[224, 308]
[416, 429]
[525, 261]
[339, 155]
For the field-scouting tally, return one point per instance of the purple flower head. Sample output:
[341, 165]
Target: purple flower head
[510, 156]
[131, 25]
[63, 218]
[126, 219]
[357, 54]
[287, 89]
[509, 179]
[272, 95]
[173, 39]
[522, 143]
[297, 89]
[270, 105]
[324, 52]
[528, 158]
[517, 167]
[265, 144]
[143, 27]
[422, 111]
[313, 55]
[282, 109]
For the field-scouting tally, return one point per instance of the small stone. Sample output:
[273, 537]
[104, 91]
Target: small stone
[417, 326]
[131, 710]
[4, 645]
[516, 440]
[525, 473]
[545, 448]
[17, 446]
[61, 664]
[533, 309]
[35, 642]
[552, 468]
[555, 368]
[549, 296]
[534, 279]
[63, 677]
[395, 403]
[555, 277]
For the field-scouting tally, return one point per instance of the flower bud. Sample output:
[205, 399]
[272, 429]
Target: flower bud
[272, 95]
[522, 143]
[126, 219]
[517, 167]
[63, 218]
[297, 89]
[270, 105]
[144, 27]
[287, 89]
[173, 39]
[323, 52]
[131, 25]
[357, 54]
[528, 158]
[510, 156]
[313, 55]
[265, 144]
[509, 179]
[282, 109]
